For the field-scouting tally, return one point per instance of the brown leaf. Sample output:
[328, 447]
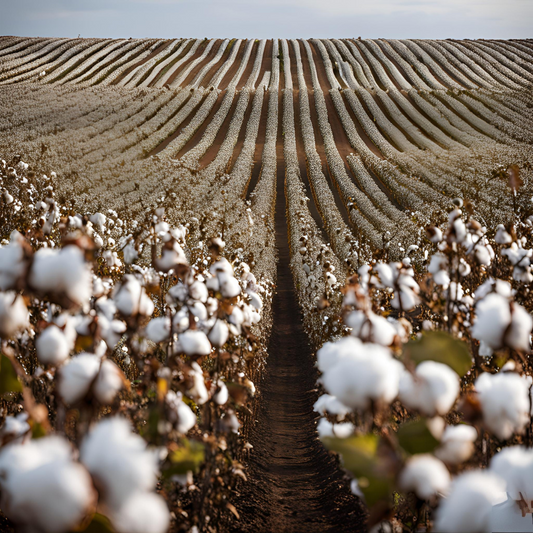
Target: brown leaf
[233, 510]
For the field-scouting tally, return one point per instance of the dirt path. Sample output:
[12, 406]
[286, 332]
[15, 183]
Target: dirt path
[294, 484]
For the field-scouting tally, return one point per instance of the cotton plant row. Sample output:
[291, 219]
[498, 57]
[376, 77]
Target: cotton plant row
[427, 386]
[18, 45]
[98, 345]
[164, 78]
[199, 78]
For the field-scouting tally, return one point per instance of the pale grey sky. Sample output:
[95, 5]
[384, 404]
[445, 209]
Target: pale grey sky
[436, 19]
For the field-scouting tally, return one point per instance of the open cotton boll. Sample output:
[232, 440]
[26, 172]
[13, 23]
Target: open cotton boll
[503, 288]
[198, 291]
[194, 342]
[228, 285]
[130, 254]
[198, 391]
[502, 237]
[371, 327]
[432, 389]
[222, 394]
[219, 333]
[467, 508]
[131, 298]
[12, 265]
[456, 444]
[493, 315]
[143, 512]
[519, 331]
[222, 265]
[15, 429]
[332, 352]
[76, 377]
[42, 488]
[255, 299]
[158, 329]
[329, 404]
[14, 315]
[180, 413]
[426, 476]
[98, 219]
[515, 466]
[368, 374]
[507, 516]
[326, 429]
[109, 382]
[118, 461]
[504, 399]
[52, 346]
[62, 272]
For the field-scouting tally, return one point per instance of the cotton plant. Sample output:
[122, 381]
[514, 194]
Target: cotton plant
[119, 334]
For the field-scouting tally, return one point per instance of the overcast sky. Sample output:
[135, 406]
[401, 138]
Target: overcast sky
[268, 18]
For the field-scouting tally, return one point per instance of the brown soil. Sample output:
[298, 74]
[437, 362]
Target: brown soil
[294, 484]
[212, 53]
[236, 64]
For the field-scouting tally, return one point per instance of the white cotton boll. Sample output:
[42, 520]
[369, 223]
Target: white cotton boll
[180, 413]
[255, 299]
[405, 299]
[198, 391]
[467, 508]
[229, 286]
[219, 333]
[503, 288]
[62, 272]
[106, 306]
[519, 331]
[14, 315]
[111, 331]
[198, 291]
[426, 476]
[52, 346]
[198, 310]
[368, 374]
[12, 264]
[178, 292]
[109, 382]
[507, 516]
[54, 497]
[493, 315]
[455, 291]
[456, 444]
[432, 389]
[222, 395]
[158, 329]
[230, 421]
[482, 255]
[371, 327]
[76, 377]
[194, 342]
[442, 278]
[459, 230]
[222, 265]
[130, 254]
[502, 237]
[15, 429]
[464, 268]
[438, 262]
[326, 429]
[98, 219]
[332, 352]
[237, 318]
[131, 299]
[385, 274]
[118, 461]
[212, 284]
[504, 399]
[515, 466]
[329, 404]
[143, 512]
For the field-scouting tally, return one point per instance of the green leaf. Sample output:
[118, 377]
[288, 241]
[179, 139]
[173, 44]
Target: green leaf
[98, 524]
[415, 437]
[441, 347]
[187, 457]
[359, 456]
[9, 381]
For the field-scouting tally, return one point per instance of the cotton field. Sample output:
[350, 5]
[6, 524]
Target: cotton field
[266, 285]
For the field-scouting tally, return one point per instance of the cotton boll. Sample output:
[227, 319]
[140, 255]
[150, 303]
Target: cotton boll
[426, 476]
[76, 377]
[504, 399]
[98, 219]
[468, 506]
[515, 466]
[62, 272]
[332, 352]
[195, 342]
[329, 404]
[222, 265]
[368, 374]
[222, 394]
[14, 315]
[143, 512]
[178, 293]
[198, 391]
[130, 254]
[507, 516]
[432, 389]
[228, 285]
[198, 310]
[180, 413]
[42, 488]
[118, 461]
[502, 237]
[483, 255]
[219, 333]
[456, 444]
[493, 315]
[12, 264]
[371, 327]
[109, 382]
[255, 299]
[131, 299]
[519, 331]
[158, 329]
[326, 429]
[198, 291]
[52, 346]
[15, 429]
